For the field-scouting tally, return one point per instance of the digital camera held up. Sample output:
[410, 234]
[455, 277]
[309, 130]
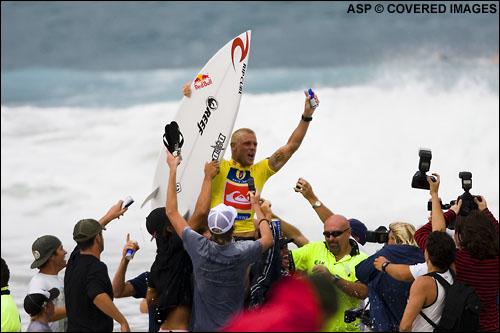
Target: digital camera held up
[379, 235]
[468, 202]
[419, 179]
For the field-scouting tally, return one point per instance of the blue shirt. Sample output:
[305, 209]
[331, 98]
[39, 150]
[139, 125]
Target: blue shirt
[387, 295]
[219, 278]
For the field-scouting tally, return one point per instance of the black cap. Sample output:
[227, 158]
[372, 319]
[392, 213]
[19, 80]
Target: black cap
[42, 248]
[86, 229]
[156, 220]
[33, 303]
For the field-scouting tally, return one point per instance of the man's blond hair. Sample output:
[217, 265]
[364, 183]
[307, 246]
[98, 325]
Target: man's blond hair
[237, 134]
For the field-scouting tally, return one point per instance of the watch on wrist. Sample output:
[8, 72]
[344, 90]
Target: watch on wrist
[384, 266]
[317, 204]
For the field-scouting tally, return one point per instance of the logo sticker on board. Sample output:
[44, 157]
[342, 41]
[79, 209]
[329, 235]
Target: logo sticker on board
[202, 81]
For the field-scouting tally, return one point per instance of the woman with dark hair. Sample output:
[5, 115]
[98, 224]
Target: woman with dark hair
[476, 261]
[170, 284]
[170, 287]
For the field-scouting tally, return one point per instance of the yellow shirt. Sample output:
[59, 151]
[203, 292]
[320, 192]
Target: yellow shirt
[317, 253]
[11, 321]
[230, 187]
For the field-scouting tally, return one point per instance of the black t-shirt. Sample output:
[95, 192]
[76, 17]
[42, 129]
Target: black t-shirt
[85, 278]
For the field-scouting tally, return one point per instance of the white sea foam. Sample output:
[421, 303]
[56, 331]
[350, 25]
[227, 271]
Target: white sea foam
[63, 164]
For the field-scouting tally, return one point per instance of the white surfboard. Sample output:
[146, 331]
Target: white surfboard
[206, 120]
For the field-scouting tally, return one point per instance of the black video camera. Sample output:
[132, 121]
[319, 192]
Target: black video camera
[379, 235]
[351, 315]
[419, 179]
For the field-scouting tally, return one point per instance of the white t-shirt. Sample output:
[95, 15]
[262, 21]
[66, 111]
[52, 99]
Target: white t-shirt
[47, 282]
[418, 269]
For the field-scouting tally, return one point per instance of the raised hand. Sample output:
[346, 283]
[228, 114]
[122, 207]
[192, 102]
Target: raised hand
[308, 110]
[305, 189]
[212, 169]
[172, 161]
[186, 89]
[434, 183]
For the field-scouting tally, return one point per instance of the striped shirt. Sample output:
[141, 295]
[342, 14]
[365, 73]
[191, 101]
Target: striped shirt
[482, 275]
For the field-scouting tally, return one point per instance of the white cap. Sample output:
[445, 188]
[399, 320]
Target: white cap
[221, 218]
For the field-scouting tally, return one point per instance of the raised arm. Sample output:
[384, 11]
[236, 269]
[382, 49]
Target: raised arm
[262, 223]
[120, 287]
[114, 212]
[438, 222]
[292, 232]
[283, 154]
[306, 190]
[203, 203]
[171, 208]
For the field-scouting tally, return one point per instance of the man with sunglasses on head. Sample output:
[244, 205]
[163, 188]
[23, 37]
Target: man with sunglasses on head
[336, 257]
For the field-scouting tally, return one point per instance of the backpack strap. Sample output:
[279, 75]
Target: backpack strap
[433, 324]
[445, 285]
[441, 280]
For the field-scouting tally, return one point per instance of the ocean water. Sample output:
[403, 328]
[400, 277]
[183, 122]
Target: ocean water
[87, 89]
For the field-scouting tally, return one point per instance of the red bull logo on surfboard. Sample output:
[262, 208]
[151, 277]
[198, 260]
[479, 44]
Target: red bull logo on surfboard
[202, 81]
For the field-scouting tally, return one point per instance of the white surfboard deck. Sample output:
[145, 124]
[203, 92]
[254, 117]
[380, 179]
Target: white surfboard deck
[206, 120]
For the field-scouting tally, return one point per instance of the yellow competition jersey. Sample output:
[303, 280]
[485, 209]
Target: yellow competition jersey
[230, 187]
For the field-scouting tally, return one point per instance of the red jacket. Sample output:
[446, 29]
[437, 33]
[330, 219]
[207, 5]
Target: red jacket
[292, 306]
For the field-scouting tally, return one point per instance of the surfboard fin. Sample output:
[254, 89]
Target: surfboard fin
[151, 196]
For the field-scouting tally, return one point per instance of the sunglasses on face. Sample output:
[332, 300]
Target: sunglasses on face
[336, 233]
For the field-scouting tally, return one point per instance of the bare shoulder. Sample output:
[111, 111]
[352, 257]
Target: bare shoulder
[423, 283]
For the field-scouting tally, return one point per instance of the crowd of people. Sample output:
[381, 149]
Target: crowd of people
[227, 267]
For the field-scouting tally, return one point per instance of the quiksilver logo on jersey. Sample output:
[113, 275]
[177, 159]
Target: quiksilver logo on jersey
[212, 105]
[218, 147]
[236, 195]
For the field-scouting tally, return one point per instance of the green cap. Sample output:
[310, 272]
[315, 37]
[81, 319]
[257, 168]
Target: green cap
[86, 229]
[42, 248]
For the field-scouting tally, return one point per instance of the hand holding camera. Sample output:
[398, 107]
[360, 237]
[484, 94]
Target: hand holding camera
[480, 202]
[434, 183]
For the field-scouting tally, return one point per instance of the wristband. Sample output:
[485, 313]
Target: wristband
[306, 119]
[258, 225]
[384, 266]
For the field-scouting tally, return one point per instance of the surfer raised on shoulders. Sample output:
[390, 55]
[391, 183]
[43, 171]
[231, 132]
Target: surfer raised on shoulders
[230, 186]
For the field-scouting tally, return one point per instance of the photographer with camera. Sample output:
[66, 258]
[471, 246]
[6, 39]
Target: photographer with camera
[476, 261]
[388, 296]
